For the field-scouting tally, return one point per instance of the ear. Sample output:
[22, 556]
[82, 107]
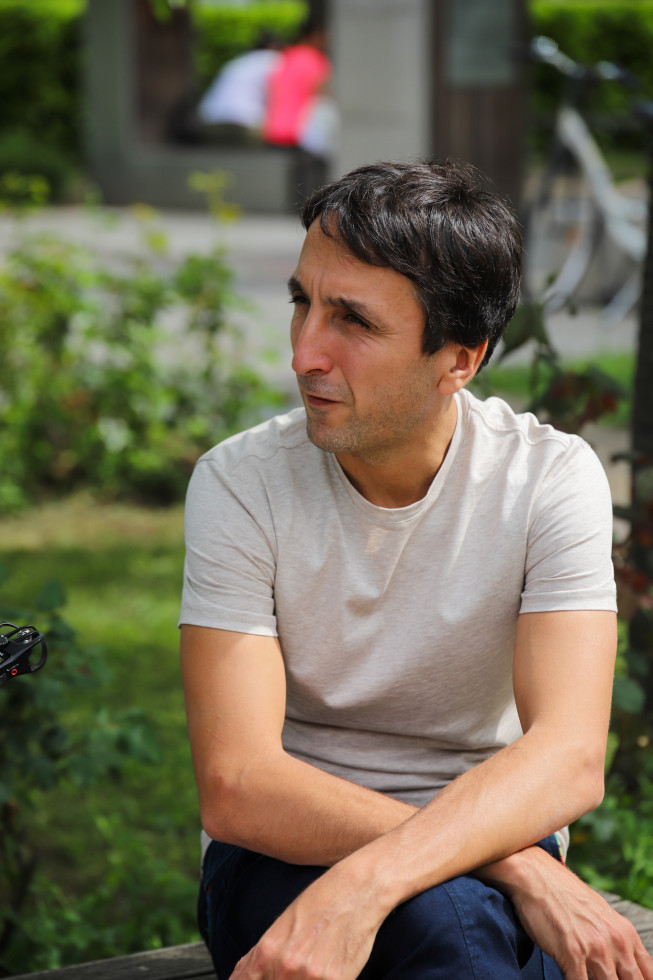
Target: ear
[460, 367]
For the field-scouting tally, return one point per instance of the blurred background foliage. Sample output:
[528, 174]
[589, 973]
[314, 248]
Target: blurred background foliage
[41, 50]
[98, 810]
[590, 31]
[92, 392]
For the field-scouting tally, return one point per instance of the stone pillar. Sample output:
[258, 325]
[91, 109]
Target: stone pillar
[478, 111]
[381, 51]
[430, 78]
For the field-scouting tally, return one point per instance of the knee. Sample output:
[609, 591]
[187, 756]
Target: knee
[453, 929]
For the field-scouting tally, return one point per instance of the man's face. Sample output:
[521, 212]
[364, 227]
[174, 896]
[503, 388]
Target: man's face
[356, 336]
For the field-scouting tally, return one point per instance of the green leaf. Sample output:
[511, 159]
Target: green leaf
[627, 695]
[52, 597]
[527, 324]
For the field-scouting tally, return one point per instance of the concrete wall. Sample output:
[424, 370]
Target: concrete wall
[430, 78]
[381, 62]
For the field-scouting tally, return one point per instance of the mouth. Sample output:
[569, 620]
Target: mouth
[316, 401]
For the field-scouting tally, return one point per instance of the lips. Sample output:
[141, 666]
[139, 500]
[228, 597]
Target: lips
[317, 400]
[318, 393]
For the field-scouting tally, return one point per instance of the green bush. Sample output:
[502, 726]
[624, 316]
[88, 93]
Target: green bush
[41, 83]
[92, 389]
[40, 93]
[45, 741]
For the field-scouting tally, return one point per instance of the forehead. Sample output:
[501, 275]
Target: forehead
[327, 263]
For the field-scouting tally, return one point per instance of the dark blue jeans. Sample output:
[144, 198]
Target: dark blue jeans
[459, 930]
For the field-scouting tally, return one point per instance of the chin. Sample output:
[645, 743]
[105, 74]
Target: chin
[329, 440]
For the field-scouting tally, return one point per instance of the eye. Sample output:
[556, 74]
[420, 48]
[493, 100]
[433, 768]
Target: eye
[298, 299]
[356, 320]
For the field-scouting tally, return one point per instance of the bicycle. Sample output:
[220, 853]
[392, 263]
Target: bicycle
[577, 202]
[18, 645]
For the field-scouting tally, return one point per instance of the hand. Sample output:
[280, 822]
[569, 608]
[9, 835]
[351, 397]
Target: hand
[586, 937]
[325, 934]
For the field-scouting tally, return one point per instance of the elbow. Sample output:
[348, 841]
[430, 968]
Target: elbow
[588, 780]
[231, 808]
[221, 806]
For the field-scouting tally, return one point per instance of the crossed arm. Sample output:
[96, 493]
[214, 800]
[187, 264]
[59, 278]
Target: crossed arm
[380, 851]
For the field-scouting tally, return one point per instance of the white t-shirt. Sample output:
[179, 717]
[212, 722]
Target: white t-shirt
[239, 93]
[397, 626]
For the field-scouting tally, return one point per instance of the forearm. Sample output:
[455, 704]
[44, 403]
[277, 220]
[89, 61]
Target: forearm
[517, 873]
[517, 797]
[293, 811]
[251, 791]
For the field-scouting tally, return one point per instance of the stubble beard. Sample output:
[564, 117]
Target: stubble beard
[374, 440]
[378, 436]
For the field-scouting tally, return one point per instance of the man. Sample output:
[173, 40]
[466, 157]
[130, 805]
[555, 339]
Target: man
[238, 94]
[297, 82]
[398, 628]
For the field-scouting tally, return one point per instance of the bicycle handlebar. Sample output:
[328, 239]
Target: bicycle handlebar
[546, 50]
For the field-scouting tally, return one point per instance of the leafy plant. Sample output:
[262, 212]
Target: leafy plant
[44, 741]
[223, 31]
[40, 89]
[93, 391]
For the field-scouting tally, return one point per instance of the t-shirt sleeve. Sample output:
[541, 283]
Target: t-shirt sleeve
[569, 556]
[230, 555]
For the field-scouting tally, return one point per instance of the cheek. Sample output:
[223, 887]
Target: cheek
[295, 329]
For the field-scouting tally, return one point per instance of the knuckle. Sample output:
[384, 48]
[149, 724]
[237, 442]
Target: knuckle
[622, 941]
[291, 964]
[599, 950]
[263, 953]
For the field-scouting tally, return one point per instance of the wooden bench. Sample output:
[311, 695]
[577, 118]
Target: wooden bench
[173, 963]
[193, 960]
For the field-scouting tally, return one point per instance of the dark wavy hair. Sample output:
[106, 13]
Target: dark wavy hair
[438, 225]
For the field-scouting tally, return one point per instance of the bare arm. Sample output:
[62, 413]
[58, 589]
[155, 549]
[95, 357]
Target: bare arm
[562, 673]
[569, 920]
[251, 791]
[563, 678]
[254, 794]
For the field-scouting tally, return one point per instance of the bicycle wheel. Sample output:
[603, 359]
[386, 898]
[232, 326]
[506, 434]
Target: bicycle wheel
[563, 229]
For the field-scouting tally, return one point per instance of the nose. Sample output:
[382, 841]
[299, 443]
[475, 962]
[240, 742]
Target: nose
[310, 338]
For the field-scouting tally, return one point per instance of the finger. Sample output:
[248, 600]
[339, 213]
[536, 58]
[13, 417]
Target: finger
[644, 961]
[240, 970]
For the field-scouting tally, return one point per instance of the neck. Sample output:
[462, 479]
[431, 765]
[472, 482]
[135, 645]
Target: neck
[398, 479]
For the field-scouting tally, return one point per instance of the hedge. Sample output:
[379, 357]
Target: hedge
[40, 98]
[40, 84]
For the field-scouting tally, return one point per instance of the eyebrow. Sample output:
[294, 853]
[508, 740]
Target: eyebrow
[359, 309]
[294, 285]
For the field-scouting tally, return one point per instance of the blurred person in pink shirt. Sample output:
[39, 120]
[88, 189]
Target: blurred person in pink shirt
[299, 110]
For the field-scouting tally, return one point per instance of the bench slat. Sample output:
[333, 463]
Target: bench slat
[189, 962]
[640, 917]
